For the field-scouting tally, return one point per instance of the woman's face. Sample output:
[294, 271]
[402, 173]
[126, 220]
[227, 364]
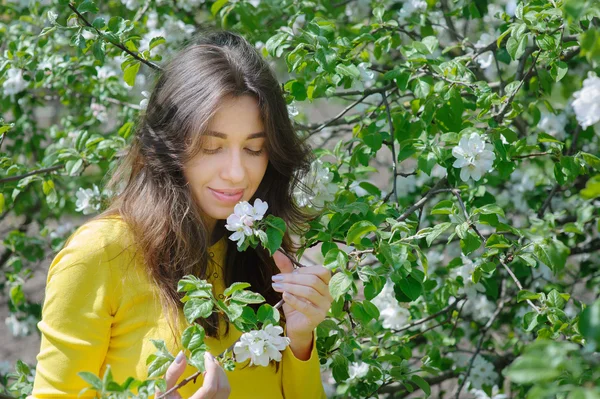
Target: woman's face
[232, 161]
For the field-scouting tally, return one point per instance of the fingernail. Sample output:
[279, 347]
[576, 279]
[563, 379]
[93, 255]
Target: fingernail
[277, 286]
[179, 357]
[277, 277]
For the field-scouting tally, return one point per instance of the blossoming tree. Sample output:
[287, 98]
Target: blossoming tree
[456, 188]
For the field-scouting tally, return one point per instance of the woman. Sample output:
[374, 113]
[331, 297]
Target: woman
[216, 131]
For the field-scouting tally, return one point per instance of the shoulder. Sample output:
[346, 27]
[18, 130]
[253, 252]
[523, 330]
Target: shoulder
[100, 240]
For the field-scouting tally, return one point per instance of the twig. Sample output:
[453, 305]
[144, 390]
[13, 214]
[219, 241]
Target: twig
[392, 139]
[116, 44]
[518, 283]
[556, 187]
[483, 333]
[230, 348]
[34, 172]
[433, 316]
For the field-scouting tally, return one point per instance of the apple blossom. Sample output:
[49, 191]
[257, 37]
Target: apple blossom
[261, 346]
[474, 156]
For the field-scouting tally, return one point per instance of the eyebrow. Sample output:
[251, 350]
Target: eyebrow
[224, 136]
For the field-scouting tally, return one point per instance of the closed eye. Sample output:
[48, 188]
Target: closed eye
[250, 152]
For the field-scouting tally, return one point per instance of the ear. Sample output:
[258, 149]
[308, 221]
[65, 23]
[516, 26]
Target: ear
[283, 263]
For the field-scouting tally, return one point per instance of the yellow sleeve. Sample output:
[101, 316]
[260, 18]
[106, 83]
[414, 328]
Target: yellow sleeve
[78, 310]
[302, 378]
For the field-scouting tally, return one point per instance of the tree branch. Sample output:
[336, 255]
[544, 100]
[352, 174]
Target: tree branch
[116, 44]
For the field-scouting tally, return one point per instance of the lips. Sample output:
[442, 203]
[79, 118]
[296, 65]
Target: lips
[228, 192]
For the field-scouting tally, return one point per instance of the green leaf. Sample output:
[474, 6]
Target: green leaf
[131, 72]
[88, 6]
[335, 259]
[516, 47]
[589, 323]
[529, 370]
[348, 70]
[411, 287]
[246, 296]
[91, 379]
[217, 5]
[359, 230]
[235, 287]
[275, 231]
[98, 50]
[470, 243]
[555, 300]
[553, 253]
[421, 89]
[156, 41]
[489, 209]
[443, 208]
[437, 231]
[196, 307]
[193, 337]
[267, 313]
[524, 295]
[339, 368]
[421, 383]
[339, 284]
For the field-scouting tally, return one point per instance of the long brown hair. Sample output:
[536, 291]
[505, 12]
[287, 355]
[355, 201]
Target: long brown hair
[153, 197]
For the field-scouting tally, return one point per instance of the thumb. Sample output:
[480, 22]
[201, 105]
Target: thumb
[283, 263]
[174, 371]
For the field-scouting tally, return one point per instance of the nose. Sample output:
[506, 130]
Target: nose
[234, 170]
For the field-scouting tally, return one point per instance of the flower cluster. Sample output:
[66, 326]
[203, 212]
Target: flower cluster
[587, 101]
[21, 328]
[88, 200]
[319, 181]
[14, 82]
[261, 346]
[391, 313]
[482, 373]
[474, 156]
[242, 220]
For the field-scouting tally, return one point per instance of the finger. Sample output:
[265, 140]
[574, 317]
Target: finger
[308, 280]
[320, 271]
[302, 306]
[224, 388]
[210, 386]
[304, 292]
[283, 263]
[173, 373]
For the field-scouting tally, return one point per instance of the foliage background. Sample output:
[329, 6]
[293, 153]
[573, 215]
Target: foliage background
[495, 279]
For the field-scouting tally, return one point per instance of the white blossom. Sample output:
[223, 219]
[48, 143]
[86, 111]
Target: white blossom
[14, 82]
[480, 394]
[391, 313]
[169, 27]
[486, 59]
[319, 181]
[99, 111]
[587, 101]
[21, 328]
[471, 289]
[241, 221]
[474, 156]
[292, 109]
[88, 200]
[261, 346]
[358, 370]
[552, 124]
[411, 7]
[144, 102]
[131, 4]
[482, 373]
[189, 5]
[5, 367]
[52, 15]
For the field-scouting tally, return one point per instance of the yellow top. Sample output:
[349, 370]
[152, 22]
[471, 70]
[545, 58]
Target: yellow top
[102, 309]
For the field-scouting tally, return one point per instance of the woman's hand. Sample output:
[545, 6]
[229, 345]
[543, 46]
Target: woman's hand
[306, 295]
[216, 384]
